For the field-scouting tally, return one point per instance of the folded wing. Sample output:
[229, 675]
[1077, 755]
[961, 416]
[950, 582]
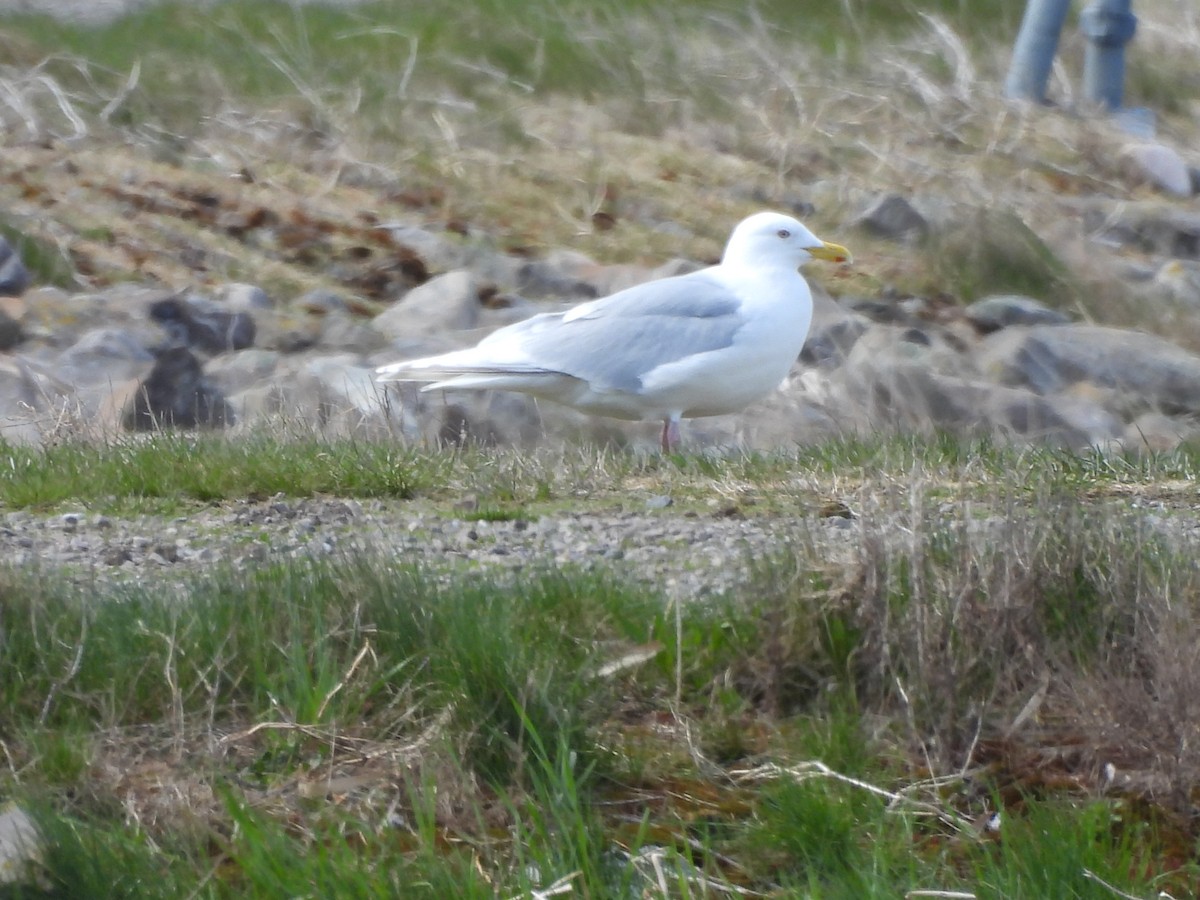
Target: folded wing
[610, 344]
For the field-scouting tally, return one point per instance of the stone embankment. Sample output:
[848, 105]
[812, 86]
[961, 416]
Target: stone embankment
[135, 357]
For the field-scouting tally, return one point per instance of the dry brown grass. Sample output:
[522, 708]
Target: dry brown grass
[1062, 628]
[1047, 641]
[728, 121]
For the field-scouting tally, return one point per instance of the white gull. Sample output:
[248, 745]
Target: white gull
[703, 344]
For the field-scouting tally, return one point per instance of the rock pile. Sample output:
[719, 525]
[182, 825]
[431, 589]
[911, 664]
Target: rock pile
[136, 358]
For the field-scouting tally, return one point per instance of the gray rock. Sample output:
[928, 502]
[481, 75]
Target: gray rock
[329, 320]
[234, 372]
[440, 253]
[1154, 432]
[928, 369]
[991, 250]
[266, 405]
[1150, 372]
[883, 311]
[177, 394]
[500, 269]
[21, 846]
[893, 217]
[342, 332]
[1159, 165]
[1002, 310]
[1179, 280]
[921, 378]
[1087, 412]
[331, 395]
[46, 297]
[1194, 175]
[830, 342]
[14, 277]
[23, 402]
[348, 387]
[322, 302]
[248, 298]
[833, 333]
[563, 275]
[59, 318]
[86, 387]
[288, 331]
[1164, 230]
[450, 302]
[882, 348]
[127, 301]
[11, 332]
[908, 397]
[104, 356]
[456, 428]
[202, 325]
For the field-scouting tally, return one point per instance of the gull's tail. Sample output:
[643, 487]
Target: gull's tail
[464, 370]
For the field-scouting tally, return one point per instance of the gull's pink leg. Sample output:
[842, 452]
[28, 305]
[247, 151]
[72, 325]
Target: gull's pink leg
[670, 435]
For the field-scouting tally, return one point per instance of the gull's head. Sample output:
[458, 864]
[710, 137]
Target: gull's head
[771, 239]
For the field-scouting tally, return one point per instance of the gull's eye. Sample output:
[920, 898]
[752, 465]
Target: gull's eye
[783, 233]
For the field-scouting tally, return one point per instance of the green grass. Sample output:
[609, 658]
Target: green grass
[1155, 82]
[252, 641]
[192, 60]
[177, 467]
[174, 471]
[471, 746]
[551, 46]
[46, 263]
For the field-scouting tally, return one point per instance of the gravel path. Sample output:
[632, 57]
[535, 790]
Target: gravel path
[688, 554]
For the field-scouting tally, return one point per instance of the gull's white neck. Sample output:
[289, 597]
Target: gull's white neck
[758, 269]
[780, 289]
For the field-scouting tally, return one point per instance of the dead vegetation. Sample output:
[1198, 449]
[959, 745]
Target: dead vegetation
[735, 114]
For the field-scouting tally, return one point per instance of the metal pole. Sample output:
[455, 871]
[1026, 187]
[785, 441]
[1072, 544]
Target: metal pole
[1033, 54]
[1108, 26]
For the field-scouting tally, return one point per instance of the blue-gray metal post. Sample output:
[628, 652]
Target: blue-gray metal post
[1033, 54]
[1108, 26]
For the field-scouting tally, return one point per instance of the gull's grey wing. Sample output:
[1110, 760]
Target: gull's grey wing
[694, 296]
[612, 342]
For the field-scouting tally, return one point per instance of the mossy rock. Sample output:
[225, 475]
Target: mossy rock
[989, 251]
[47, 264]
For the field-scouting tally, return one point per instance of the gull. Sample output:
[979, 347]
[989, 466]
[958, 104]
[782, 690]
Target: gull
[706, 343]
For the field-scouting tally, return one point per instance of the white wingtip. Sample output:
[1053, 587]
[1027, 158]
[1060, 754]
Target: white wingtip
[388, 372]
[407, 370]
